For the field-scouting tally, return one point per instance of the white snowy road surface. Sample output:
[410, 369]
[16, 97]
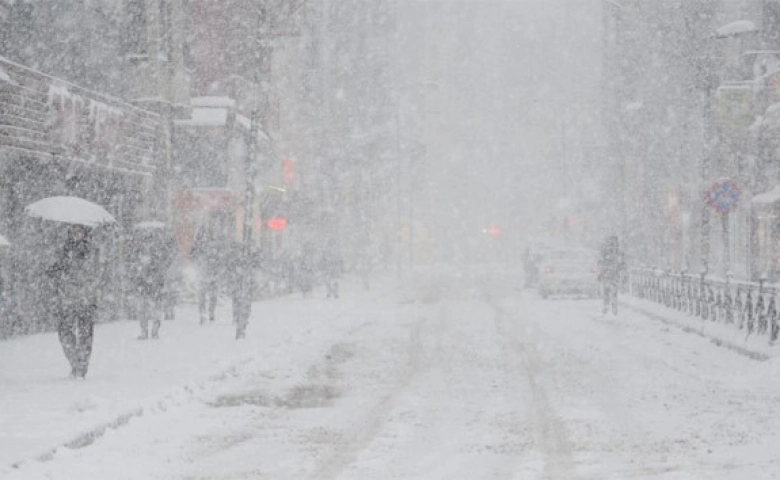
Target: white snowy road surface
[455, 378]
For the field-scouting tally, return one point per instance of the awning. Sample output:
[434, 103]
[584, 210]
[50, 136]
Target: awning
[767, 198]
[736, 28]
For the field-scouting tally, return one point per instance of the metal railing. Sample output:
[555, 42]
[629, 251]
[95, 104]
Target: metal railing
[749, 306]
[47, 117]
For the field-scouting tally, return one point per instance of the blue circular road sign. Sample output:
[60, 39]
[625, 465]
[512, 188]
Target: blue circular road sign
[724, 196]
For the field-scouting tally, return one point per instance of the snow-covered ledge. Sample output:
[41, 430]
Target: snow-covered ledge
[5, 78]
[736, 28]
[767, 198]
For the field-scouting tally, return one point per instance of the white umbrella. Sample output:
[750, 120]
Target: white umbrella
[71, 210]
[4, 242]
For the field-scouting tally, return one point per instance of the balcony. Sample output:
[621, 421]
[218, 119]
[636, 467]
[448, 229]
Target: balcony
[51, 119]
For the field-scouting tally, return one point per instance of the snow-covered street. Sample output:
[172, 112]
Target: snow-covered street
[389, 239]
[453, 377]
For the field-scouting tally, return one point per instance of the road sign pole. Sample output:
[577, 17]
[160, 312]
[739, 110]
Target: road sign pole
[726, 245]
[705, 236]
[724, 197]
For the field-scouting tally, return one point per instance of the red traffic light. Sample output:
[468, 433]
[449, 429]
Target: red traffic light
[277, 223]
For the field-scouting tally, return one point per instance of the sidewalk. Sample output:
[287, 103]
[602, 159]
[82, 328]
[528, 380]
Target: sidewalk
[756, 346]
[42, 409]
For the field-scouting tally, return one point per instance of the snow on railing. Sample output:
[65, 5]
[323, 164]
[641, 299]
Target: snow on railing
[750, 306]
[47, 117]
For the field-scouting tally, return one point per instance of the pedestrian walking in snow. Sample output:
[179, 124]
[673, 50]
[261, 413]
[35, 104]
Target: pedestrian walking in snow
[304, 270]
[208, 255]
[241, 285]
[332, 267]
[611, 265]
[2, 290]
[531, 268]
[76, 279]
[364, 263]
[152, 252]
[173, 282]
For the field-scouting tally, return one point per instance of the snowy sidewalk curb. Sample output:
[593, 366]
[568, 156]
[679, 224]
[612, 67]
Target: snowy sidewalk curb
[729, 336]
[185, 393]
[190, 391]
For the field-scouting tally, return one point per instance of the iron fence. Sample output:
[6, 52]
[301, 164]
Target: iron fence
[749, 306]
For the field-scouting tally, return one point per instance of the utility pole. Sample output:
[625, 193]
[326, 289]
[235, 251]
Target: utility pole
[269, 17]
[261, 48]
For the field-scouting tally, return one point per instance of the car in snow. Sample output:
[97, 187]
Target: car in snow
[568, 271]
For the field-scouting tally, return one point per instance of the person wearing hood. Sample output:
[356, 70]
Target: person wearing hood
[76, 279]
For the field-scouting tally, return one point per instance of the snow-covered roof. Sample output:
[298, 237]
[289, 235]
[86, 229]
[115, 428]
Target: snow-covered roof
[633, 106]
[761, 52]
[150, 225]
[740, 85]
[736, 28]
[770, 118]
[4, 77]
[224, 102]
[206, 117]
[246, 123]
[768, 198]
[775, 107]
[757, 124]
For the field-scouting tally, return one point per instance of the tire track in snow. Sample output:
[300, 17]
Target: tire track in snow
[372, 424]
[550, 429]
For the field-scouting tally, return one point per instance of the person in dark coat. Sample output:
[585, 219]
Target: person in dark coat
[332, 267]
[76, 280]
[531, 268]
[153, 253]
[173, 283]
[208, 255]
[304, 270]
[242, 285]
[611, 265]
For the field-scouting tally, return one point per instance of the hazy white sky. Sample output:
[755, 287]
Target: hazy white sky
[513, 107]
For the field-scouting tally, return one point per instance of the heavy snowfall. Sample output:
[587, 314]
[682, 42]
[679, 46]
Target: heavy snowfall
[389, 239]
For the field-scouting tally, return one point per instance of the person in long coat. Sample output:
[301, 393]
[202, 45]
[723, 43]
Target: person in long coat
[173, 283]
[76, 277]
[332, 266]
[152, 256]
[241, 274]
[208, 253]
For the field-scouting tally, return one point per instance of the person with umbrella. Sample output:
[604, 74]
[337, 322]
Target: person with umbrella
[76, 273]
[76, 277]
